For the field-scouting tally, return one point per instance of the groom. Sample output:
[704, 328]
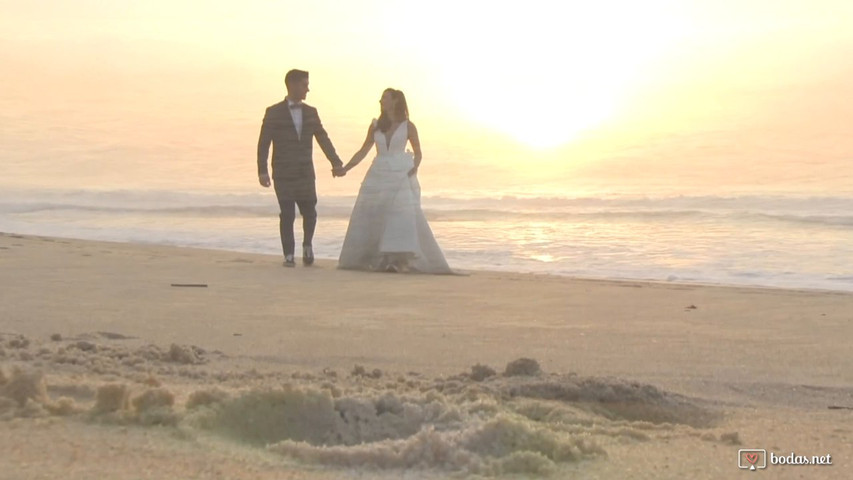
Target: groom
[291, 127]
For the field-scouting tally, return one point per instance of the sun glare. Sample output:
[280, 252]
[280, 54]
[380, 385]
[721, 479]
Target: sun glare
[548, 72]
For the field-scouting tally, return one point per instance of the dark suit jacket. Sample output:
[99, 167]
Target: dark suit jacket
[292, 155]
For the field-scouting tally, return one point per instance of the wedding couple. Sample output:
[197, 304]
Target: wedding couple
[387, 230]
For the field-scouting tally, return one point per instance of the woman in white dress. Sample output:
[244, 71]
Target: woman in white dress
[388, 230]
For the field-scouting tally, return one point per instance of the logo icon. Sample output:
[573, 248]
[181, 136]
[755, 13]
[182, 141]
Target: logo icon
[752, 458]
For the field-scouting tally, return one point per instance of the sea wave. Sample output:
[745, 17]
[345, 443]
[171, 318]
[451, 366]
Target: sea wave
[206, 211]
[814, 210]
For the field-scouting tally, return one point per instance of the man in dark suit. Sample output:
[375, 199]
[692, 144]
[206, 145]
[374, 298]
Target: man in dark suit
[291, 127]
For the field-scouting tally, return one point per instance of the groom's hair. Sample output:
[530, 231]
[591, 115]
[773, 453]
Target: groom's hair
[294, 76]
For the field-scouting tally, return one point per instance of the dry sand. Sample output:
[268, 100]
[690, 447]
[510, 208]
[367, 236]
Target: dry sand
[110, 371]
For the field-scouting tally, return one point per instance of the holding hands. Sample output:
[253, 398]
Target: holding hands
[339, 171]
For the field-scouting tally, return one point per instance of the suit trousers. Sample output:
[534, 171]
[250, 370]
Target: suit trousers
[307, 208]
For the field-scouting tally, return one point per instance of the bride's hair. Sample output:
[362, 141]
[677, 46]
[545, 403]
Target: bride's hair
[401, 110]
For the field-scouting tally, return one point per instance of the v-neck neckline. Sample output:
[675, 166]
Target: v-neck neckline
[388, 139]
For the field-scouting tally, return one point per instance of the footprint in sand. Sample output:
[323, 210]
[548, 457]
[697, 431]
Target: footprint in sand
[114, 336]
[238, 260]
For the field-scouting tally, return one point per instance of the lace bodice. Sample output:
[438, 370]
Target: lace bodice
[397, 142]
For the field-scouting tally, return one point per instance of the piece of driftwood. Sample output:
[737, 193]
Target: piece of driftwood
[203, 285]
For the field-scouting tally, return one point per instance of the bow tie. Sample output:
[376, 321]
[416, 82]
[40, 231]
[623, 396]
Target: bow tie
[295, 105]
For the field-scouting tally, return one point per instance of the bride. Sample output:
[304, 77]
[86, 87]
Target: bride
[388, 230]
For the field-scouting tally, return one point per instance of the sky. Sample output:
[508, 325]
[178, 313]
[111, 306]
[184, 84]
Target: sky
[530, 95]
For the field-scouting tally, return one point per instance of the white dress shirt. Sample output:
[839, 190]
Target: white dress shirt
[296, 115]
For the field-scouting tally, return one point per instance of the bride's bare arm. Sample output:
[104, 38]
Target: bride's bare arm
[362, 152]
[416, 146]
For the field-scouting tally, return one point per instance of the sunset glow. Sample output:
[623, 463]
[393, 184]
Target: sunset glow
[546, 73]
[573, 88]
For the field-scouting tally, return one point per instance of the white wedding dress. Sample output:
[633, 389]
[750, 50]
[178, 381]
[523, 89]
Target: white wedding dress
[387, 220]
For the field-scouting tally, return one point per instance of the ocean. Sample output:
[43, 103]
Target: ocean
[771, 240]
[745, 200]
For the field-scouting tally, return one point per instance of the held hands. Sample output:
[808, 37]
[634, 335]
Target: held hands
[339, 171]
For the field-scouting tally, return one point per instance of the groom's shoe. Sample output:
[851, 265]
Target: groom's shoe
[307, 256]
[288, 261]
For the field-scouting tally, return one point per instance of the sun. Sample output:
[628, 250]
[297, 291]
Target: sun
[544, 73]
[542, 110]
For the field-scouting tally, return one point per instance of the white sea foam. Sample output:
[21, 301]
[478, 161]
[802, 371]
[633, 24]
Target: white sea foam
[765, 240]
[828, 210]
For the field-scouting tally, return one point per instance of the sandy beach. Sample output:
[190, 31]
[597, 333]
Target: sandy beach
[135, 361]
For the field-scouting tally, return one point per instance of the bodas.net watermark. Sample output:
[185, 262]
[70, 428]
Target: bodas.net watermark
[758, 459]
